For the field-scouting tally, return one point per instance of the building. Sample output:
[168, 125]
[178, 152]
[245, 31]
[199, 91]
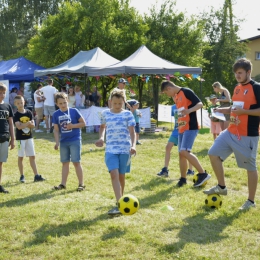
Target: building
[253, 53]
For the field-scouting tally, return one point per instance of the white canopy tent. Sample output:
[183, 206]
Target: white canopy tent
[143, 61]
[82, 62]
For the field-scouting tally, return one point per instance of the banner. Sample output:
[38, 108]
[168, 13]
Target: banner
[92, 116]
[165, 113]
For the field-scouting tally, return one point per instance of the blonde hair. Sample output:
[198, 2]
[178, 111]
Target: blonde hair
[118, 93]
[217, 85]
[60, 95]
[18, 97]
[2, 87]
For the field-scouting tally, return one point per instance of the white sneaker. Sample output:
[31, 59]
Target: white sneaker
[38, 131]
[216, 190]
[247, 205]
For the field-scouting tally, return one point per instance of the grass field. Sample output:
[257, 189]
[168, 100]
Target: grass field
[38, 223]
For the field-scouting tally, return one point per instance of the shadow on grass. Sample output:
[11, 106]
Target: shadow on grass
[202, 153]
[47, 232]
[201, 230]
[113, 232]
[32, 198]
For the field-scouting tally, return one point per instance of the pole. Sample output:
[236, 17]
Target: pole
[201, 123]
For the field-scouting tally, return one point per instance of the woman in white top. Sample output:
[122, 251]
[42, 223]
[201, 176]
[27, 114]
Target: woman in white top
[78, 97]
[38, 106]
[71, 97]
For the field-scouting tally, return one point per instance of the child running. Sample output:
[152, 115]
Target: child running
[6, 131]
[120, 142]
[24, 123]
[67, 133]
[187, 104]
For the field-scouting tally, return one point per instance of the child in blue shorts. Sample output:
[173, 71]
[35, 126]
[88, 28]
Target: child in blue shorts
[67, 133]
[118, 124]
[173, 141]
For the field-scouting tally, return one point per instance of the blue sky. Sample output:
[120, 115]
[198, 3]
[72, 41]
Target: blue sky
[247, 10]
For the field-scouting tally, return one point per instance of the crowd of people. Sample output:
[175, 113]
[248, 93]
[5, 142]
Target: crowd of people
[120, 123]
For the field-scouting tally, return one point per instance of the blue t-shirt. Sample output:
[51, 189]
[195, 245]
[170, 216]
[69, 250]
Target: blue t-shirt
[175, 115]
[136, 114]
[60, 118]
[118, 140]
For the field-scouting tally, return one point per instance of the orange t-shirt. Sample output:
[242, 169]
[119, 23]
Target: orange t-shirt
[186, 99]
[248, 97]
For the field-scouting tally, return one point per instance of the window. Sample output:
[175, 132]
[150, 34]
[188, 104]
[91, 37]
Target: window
[257, 55]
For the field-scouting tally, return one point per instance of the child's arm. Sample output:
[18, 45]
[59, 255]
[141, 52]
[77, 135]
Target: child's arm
[19, 125]
[133, 139]
[11, 129]
[81, 123]
[192, 109]
[56, 136]
[100, 141]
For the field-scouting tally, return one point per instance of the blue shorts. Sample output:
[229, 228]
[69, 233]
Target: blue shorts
[137, 128]
[174, 140]
[70, 151]
[117, 161]
[186, 140]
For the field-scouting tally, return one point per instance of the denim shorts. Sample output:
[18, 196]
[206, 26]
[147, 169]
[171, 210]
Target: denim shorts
[186, 140]
[70, 151]
[117, 161]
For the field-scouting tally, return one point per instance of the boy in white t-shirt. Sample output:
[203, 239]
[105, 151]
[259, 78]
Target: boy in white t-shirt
[119, 125]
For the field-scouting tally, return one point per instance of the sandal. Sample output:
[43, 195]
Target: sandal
[60, 187]
[81, 188]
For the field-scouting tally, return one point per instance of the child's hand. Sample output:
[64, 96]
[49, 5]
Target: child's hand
[11, 144]
[99, 143]
[69, 126]
[56, 146]
[132, 151]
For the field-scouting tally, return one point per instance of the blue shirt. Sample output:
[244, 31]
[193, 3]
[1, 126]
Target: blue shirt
[175, 131]
[60, 118]
[118, 140]
[136, 114]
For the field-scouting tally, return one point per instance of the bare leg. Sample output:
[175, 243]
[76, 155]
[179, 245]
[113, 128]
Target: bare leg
[168, 149]
[37, 123]
[137, 137]
[184, 156]
[218, 169]
[79, 172]
[252, 184]
[122, 182]
[190, 166]
[65, 172]
[1, 169]
[33, 164]
[47, 122]
[114, 174]
[20, 165]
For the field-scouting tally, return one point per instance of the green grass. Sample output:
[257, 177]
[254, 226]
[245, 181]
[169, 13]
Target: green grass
[38, 223]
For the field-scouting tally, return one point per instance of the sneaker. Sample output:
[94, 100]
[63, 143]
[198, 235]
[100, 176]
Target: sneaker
[163, 173]
[138, 143]
[114, 211]
[216, 190]
[51, 130]
[181, 182]
[22, 179]
[202, 177]
[3, 190]
[38, 178]
[190, 172]
[38, 131]
[247, 205]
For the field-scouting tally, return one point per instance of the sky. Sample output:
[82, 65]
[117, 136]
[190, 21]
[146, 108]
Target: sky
[248, 10]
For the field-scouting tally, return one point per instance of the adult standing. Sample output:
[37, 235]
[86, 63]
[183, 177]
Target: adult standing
[38, 106]
[96, 97]
[121, 86]
[12, 95]
[224, 101]
[21, 91]
[242, 135]
[49, 104]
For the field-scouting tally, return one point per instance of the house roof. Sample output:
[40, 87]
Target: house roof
[251, 38]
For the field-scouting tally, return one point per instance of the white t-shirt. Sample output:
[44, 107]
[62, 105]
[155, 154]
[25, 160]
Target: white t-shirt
[118, 140]
[37, 104]
[48, 92]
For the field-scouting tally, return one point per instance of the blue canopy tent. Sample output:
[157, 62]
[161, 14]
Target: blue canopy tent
[18, 70]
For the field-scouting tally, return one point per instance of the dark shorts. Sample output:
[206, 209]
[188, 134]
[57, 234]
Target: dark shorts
[137, 128]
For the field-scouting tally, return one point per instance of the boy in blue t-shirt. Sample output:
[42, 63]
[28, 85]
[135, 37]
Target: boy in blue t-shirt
[137, 114]
[173, 141]
[67, 133]
[118, 124]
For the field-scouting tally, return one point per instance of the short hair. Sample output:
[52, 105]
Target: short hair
[118, 93]
[60, 95]
[18, 97]
[2, 87]
[242, 64]
[165, 84]
[217, 85]
[39, 85]
[50, 81]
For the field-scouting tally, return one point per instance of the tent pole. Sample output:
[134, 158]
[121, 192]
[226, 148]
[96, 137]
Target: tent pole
[201, 123]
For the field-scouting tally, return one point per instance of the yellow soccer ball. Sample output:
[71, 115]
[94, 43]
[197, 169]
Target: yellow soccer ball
[128, 204]
[213, 201]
